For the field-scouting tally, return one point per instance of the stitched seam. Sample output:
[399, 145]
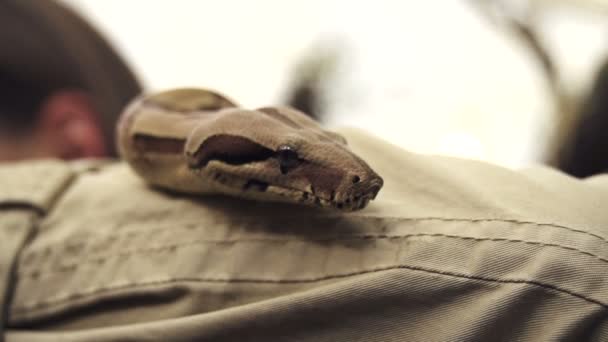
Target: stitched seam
[518, 222]
[173, 247]
[420, 219]
[54, 190]
[43, 304]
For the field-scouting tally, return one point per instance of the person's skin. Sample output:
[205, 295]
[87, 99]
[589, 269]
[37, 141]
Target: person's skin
[67, 127]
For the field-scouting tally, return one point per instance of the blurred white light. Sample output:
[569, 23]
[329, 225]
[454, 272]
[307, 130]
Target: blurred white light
[461, 144]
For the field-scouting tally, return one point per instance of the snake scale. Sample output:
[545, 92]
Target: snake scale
[199, 142]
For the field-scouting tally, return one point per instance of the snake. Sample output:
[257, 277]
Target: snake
[198, 141]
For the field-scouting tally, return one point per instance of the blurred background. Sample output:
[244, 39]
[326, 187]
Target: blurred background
[502, 81]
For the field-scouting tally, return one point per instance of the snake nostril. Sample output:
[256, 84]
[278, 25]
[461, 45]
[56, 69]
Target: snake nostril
[356, 179]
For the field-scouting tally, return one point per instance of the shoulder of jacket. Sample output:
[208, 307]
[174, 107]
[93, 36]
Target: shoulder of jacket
[37, 184]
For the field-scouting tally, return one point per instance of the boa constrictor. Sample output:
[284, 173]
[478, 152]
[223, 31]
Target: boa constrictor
[197, 141]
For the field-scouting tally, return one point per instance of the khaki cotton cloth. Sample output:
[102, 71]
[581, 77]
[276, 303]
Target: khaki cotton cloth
[451, 250]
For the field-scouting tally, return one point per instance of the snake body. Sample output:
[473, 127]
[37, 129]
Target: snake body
[198, 141]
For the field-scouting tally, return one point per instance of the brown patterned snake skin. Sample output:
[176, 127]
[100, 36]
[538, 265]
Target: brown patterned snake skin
[197, 141]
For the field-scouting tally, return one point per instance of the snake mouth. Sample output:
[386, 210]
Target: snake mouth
[311, 199]
[255, 188]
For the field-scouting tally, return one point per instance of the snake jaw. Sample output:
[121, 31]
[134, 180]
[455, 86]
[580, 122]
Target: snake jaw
[283, 188]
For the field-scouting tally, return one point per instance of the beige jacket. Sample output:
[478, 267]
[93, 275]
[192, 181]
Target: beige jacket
[451, 250]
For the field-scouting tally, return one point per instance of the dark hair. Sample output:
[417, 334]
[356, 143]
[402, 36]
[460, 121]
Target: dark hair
[585, 155]
[20, 101]
[51, 46]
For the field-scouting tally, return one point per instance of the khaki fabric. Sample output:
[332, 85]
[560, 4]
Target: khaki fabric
[27, 191]
[451, 250]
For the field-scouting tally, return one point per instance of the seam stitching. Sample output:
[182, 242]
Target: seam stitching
[518, 222]
[190, 226]
[42, 304]
[174, 247]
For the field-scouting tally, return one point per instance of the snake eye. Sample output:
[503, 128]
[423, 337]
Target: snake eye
[288, 158]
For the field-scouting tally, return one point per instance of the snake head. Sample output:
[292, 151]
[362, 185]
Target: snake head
[280, 154]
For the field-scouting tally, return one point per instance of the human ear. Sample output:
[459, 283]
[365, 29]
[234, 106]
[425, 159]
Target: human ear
[69, 126]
